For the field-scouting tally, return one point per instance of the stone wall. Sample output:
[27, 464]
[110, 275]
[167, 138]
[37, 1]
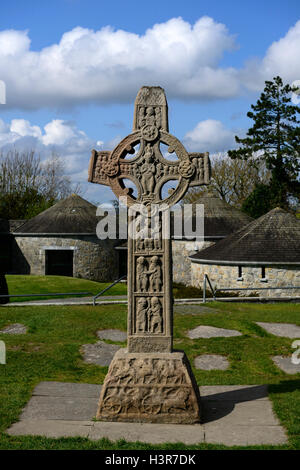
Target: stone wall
[181, 250]
[93, 259]
[228, 276]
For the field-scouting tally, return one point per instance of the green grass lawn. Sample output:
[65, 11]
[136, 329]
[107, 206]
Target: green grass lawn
[29, 284]
[50, 351]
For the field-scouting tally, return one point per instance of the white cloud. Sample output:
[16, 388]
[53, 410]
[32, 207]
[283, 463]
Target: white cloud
[74, 146]
[23, 128]
[71, 144]
[209, 136]
[110, 65]
[281, 58]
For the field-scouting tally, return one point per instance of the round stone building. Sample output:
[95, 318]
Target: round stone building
[262, 254]
[220, 220]
[62, 240]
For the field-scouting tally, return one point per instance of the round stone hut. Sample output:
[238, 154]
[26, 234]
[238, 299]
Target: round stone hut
[62, 240]
[263, 254]
[220, 220]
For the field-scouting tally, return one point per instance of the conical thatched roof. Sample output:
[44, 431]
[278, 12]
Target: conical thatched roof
[220, 219]
[274, 238]
[72, 215]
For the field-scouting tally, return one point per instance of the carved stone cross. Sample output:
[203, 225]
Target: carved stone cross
[148, 382]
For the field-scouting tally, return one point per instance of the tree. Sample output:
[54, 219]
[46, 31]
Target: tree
[232, 180]
[275, 139]
[29, 186]
[259, 202]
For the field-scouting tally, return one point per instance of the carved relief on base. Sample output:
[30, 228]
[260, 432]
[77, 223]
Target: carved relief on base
[149, 388]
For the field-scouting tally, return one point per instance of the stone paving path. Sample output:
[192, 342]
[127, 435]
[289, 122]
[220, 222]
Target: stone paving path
[99, 353]
[232, 415]
[288, 330]
[14, 329]
[112, 335]
[211, 362]
[194, 309]
[285, 364]
[204, 331]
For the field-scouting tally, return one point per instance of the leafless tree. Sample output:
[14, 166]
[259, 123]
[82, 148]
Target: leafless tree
[232, 180]
[22, 171]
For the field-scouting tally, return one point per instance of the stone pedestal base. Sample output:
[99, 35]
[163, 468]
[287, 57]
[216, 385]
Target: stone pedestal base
[150, 388]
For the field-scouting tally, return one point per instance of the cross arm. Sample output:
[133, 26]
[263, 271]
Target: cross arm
[202, 165]
[98, 167]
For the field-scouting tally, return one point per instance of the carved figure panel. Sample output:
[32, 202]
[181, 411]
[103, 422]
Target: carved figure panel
[149, 275]
[149, 315]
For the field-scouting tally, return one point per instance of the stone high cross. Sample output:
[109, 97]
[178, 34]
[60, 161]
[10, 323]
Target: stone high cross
[148, 382]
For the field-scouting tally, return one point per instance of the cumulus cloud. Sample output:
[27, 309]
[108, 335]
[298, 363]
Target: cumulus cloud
[110, 65]
[209, 136]
[74, 146]
[281, 58]
[63, 138]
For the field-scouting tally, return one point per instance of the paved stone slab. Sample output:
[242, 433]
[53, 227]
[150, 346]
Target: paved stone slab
[113, 335]
[194, 309]
[148, 432]
[62, 408]
[67, 389]
[234, 393]
[243, 435]
[14, 329]
[233, 415]
[204, 331]
[99, 353]
[288, 330]
[211, 362]
[285, 364]
[51, 428]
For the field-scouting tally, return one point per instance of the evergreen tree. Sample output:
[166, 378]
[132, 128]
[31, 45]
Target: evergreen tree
[274, 138]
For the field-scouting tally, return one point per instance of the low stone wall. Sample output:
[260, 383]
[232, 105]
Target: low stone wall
[93, 259]
[181, 250]
[227, 276]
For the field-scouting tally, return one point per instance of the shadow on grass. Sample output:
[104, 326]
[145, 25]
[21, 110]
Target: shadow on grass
[3, 289]
[286, 386]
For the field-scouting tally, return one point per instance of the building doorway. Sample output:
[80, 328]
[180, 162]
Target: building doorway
[59, 262]
[122, 262]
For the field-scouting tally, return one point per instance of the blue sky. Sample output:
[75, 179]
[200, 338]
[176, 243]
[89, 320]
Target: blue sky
[72, 69]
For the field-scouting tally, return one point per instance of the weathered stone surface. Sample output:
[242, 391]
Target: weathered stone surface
[14, 329]
[113, 335]
[65, 408]
[194, 309]
[227, 276]
[234, 393]
[148, 432]
[204, 331]
[287, 330]
[67, 389]
[155, 387]
[93, 258]
[99, 353]
[285, 364]
[181, 250]
[142, 393]
[211, 362]
[235, 415]
[244, 434]
[53, 428]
